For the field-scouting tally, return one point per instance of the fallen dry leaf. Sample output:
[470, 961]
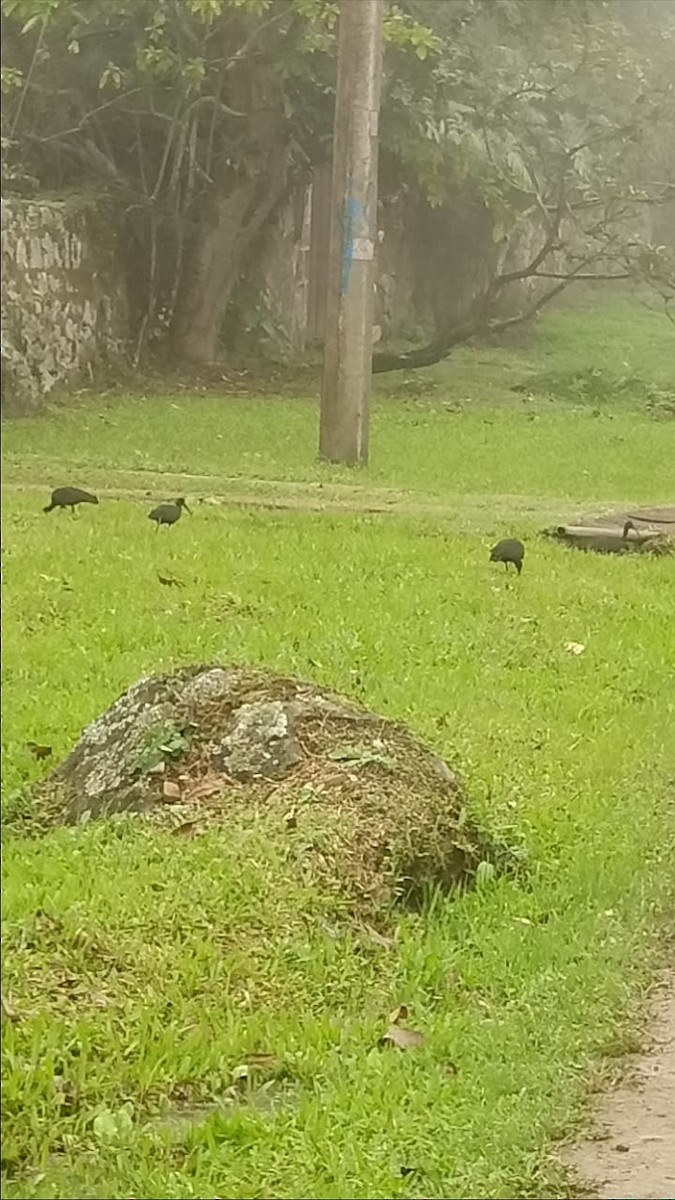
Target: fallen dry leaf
[38, 751]
[574, 647]
[378, 938]
[399, 1014]
[187, 830]
[9, 1011]
[403, 1038]
[99, 999]
[170, 790]
[211, 785]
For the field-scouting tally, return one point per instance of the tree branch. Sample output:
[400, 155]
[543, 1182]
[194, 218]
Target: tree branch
[63, 133]
[480, 322]
[575, 278]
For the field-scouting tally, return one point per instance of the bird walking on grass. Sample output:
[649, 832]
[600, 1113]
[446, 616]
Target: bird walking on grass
[68, 497]
[510, 550]
[168, 514]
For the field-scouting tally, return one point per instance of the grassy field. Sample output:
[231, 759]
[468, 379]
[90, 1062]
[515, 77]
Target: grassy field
[147, 970]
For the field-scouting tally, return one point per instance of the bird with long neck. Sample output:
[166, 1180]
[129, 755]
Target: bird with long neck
[68, 497]
[168, 514]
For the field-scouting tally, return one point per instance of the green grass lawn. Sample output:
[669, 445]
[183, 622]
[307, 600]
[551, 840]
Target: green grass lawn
[147, 970]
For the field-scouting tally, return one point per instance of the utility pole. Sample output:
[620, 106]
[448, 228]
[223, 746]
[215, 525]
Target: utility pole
[348, 350]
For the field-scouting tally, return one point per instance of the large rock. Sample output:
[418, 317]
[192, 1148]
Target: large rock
[366, 806]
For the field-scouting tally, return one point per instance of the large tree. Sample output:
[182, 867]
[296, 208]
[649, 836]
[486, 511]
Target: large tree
[548, 120]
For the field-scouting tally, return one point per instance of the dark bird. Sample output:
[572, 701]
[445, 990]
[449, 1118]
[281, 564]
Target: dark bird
[68, 497]
[509, 551]
[39, 752]
[168, 514]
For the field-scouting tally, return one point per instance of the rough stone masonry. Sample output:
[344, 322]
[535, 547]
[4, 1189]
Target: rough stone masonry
[64, 307]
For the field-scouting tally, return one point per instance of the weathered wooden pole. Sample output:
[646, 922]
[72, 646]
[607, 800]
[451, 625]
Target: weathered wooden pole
[348, 350]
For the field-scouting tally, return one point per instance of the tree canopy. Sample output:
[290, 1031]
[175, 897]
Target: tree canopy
[198, 116]
[553, 116]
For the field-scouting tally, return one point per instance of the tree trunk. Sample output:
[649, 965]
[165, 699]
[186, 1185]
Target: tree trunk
[242, 200]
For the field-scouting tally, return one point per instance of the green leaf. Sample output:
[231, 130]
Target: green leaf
[10, 78]
[37, 19]
[111, 75]
[485, 875]
[207, 10]
[111, 1126]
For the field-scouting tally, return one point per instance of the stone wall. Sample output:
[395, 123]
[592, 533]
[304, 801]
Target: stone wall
[278, 304]
[270, 304]
[430, 265]
[65, 315]
[64, 307]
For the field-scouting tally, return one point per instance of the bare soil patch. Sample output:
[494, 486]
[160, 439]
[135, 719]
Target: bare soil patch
[630, 1151]
[476, 511]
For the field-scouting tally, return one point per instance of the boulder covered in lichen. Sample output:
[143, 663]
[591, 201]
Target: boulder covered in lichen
[363, 804]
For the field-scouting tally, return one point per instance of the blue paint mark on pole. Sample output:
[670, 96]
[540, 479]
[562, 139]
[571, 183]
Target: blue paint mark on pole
[353, 214]
[347, 247]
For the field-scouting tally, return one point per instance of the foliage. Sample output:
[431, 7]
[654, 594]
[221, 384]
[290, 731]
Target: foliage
[515, 90]
[165, 741]
[551, 117]
[147, 970]
[554, 114]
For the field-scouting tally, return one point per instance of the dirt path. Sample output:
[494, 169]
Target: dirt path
[631, 1152]
[477, 510]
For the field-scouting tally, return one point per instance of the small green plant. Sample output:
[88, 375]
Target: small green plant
[113, 1127]
[162, 742]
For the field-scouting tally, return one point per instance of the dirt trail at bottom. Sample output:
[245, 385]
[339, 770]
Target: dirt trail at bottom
[631, 1152]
